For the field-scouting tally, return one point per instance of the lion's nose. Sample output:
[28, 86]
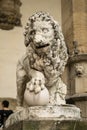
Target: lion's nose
[38, 38]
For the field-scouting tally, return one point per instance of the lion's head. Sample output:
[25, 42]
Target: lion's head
[44, 41]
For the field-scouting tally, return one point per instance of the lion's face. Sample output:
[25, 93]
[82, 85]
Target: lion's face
[42, 35]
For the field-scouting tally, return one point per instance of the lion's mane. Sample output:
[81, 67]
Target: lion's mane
[52, 64]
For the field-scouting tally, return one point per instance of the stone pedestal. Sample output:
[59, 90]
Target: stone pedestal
[49, 125]
[44, 118]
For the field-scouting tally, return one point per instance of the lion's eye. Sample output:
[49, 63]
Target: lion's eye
[45, 30]
[32, 32]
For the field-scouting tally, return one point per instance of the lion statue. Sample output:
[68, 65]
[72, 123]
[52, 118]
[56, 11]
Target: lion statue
[46, 56]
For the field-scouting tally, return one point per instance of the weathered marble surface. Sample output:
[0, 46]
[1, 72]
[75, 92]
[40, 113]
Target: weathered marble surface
[55, 125]
[45, 113]
[49, 125]
[44, 60]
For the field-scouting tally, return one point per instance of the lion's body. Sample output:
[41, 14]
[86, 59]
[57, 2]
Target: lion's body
[47, 54]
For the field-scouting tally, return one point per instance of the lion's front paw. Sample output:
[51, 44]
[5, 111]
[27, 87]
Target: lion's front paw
[35, 85]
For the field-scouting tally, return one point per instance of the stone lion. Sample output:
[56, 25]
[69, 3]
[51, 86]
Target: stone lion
[46, 54]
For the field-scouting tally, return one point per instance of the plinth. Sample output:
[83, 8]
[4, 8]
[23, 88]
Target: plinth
[62, 117]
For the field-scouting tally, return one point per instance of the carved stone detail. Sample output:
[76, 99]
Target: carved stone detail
[46, 54]
[9, 14]
[79, 69]
[45, 113]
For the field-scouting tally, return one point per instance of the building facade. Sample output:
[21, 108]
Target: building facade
[74, 25]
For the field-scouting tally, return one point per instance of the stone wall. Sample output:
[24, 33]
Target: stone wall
[74, 17]
[80, 24]
[74, 25]
[67, 23]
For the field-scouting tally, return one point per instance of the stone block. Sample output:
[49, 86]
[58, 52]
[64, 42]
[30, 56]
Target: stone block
[83, 107]
[49, 125]
[61, 117]
[80, 84]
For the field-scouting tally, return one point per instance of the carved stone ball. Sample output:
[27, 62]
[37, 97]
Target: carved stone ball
[36, 99]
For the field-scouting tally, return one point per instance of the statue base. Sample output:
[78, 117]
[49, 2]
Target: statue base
[63, 117]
